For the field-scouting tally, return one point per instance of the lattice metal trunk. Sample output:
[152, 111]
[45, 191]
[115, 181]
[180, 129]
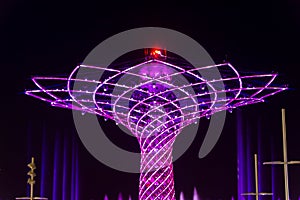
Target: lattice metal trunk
[156, 178]
[156, 119]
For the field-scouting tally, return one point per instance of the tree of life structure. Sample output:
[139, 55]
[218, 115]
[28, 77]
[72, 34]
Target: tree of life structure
[155, 100]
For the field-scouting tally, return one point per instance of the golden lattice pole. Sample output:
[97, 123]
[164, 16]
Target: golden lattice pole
[285, 162]
[31, 182]
[256, 193]
[31, 173]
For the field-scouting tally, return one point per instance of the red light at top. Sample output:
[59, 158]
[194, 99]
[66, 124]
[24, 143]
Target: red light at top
[157, 53]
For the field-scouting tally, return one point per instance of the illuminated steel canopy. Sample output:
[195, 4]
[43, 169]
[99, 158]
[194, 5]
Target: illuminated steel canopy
[155, 100]
[102, 99]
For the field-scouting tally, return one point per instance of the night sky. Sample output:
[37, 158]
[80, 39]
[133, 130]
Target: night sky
[52, 37]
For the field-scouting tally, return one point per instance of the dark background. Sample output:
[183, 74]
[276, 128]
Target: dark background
[51, 37]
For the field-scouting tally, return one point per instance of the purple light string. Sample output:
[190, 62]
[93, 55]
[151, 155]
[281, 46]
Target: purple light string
[56, 167]
[65, 170]
[73, 172]
[261, 183]
[249, 154]
[274, 182]
[44, 169]
[240, 157]
[77, 182]
[120, 196]
[59, 174]
[29, 151]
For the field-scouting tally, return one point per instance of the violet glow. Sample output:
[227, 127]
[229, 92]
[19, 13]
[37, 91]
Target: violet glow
[181, 196]
[240, 159]
[153, 111]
